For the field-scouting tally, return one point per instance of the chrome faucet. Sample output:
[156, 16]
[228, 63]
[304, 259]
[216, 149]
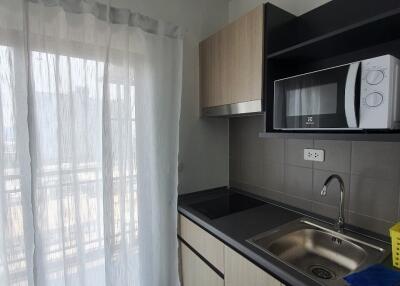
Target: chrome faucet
[340, 222]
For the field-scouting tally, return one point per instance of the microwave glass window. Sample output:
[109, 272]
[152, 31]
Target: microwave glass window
[312, 99]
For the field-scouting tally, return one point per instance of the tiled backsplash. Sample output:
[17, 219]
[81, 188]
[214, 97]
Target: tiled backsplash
[275, 168]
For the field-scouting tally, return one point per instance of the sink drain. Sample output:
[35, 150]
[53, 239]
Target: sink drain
[322, 272]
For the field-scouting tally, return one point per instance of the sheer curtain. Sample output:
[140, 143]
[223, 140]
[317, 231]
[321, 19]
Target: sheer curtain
[89, 111]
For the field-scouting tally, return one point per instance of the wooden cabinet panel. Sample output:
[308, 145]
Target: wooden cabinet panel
[195, 272]
[231, 62]
[239, 271]
[204, 243]
[205, 70]
[247, 56]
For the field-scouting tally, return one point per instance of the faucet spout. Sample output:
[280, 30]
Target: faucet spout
[340, 221]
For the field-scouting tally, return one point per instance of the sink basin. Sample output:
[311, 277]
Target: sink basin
[226, 204]
[316, 250]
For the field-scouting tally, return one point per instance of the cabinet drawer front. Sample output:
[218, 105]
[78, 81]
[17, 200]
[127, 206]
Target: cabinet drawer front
[239, 271]
[204, 243]
[195, 272]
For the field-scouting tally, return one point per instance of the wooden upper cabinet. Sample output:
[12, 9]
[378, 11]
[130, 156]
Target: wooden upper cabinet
[211, 70]
[231, 62]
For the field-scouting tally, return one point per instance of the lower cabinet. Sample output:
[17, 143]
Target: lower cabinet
[233, 268]
[195, 272]
[241, 272]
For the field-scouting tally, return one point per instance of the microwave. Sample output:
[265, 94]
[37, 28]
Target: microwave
[363, 95]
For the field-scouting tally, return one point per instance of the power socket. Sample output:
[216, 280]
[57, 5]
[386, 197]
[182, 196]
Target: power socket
[314, 155]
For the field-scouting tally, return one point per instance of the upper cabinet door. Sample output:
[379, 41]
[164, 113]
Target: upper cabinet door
[246, 57]
[211, 56]
[231, 62]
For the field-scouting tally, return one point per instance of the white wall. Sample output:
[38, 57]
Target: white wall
[204, 151]
[296, 7]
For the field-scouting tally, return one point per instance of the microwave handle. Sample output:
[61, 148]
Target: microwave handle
[350, 95]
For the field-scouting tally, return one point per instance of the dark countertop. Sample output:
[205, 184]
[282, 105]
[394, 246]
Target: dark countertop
[235, 229]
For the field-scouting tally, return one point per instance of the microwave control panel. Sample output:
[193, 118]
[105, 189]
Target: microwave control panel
[377, 94]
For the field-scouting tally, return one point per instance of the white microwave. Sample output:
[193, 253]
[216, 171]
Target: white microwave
[355, 96]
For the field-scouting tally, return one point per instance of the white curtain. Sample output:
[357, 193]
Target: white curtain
[89, 111]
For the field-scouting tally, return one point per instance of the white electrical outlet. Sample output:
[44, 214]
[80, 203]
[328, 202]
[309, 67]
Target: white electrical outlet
[314, 155]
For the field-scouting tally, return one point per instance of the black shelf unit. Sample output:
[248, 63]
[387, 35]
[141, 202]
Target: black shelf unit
[349, 136]
[345, 39]
[336, 33]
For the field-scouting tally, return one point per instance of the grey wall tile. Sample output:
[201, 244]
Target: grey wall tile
[337, 155]
[234, 139]
[275, 169]
[295, 152]
[276, 196]
[244, 140]
[251, 172]
[375, 198]
[376, 159]
[251, 149]
[328, 210]
[236, 184]
[370, 223]
[332, 197]
[298, 182]
[274, 151]
[251, 126]
[234, 170]
[273, 176]
[298, 202]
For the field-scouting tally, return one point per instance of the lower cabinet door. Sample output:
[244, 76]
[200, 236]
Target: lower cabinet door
[195, 272]
[241, 272]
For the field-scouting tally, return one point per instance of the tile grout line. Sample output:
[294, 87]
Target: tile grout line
[284, 168]
[350, 179]
[229, 152]
[371, 217]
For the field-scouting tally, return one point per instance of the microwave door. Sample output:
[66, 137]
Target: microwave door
[351, 95]
[312, 101]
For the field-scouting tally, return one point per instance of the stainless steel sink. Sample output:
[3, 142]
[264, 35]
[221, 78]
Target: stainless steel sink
[318, 251]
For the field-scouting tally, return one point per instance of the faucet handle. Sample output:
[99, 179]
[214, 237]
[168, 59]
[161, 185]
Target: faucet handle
[323, 191]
